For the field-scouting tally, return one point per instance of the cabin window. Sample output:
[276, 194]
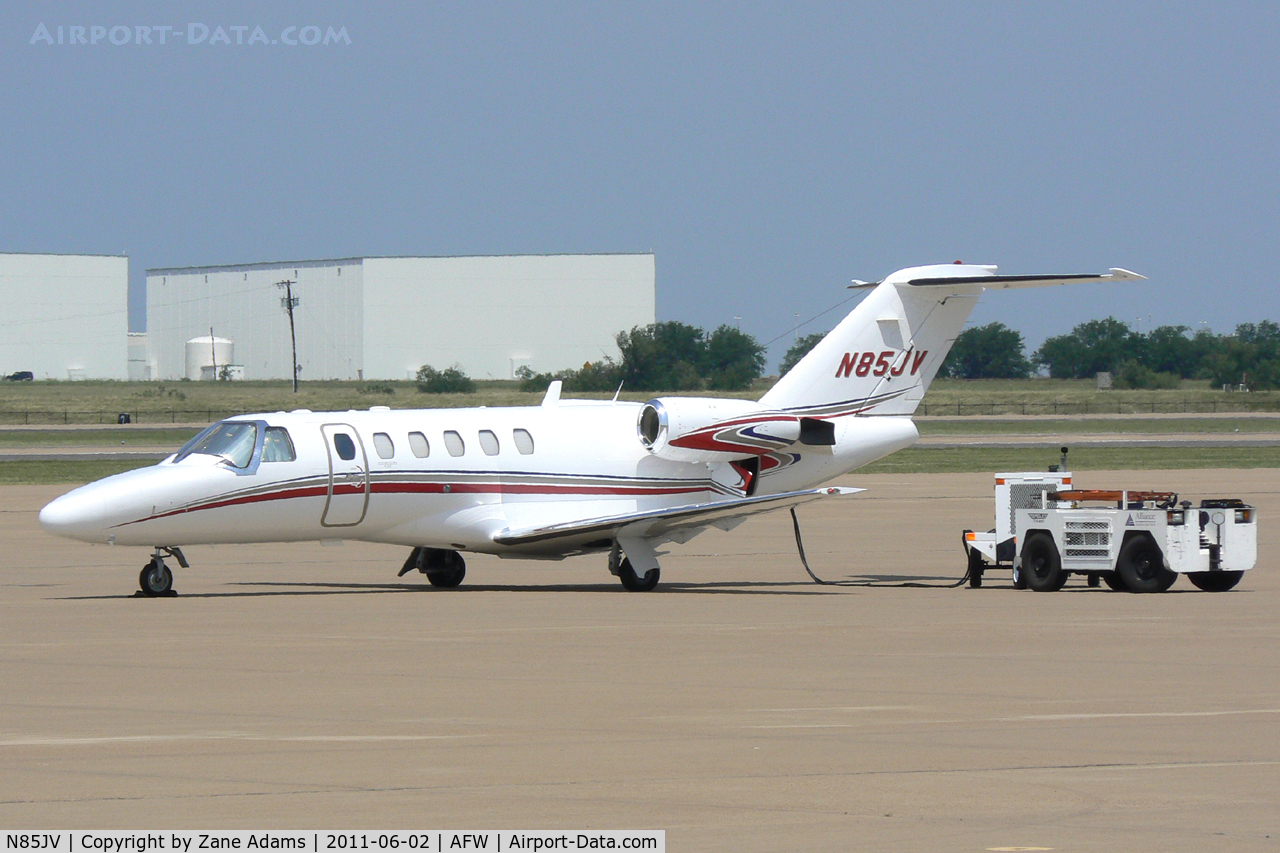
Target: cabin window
[453, 443]
[344, 445]
[276, 446]
[523, 440]
[231, 440]
[418, 444]
[488, 443]
[382, 444]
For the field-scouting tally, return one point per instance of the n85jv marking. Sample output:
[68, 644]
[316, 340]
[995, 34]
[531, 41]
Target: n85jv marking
[881, 363]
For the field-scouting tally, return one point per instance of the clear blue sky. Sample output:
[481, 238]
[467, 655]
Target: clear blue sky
[767, 153]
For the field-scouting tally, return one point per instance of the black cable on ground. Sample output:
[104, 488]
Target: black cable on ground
[795, 521]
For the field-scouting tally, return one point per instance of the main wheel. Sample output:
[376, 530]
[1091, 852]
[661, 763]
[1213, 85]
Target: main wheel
[1215, 581]
[1141, 566]
[155, 579]
[1041, 565]
[633, 582]
[446, 568]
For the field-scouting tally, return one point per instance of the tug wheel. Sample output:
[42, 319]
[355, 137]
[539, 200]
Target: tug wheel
[976, 567]
[1215, 581]
[1113, 581]
[1141, 566]
[1041, 564]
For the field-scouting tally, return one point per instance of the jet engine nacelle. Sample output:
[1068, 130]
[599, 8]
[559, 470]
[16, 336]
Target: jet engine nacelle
[700, 429]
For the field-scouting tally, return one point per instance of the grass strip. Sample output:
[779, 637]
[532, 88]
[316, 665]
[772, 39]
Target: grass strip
[1127, 425]
[71, 471]
[115, 437]
[925, 460]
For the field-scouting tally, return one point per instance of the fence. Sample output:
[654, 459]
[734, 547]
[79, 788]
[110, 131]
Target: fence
[1104, 407]
[103, 416]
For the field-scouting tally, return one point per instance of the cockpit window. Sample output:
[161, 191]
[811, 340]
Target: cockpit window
[276, 446]
[231, 440]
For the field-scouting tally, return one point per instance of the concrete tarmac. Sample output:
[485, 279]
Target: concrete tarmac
[739, 707]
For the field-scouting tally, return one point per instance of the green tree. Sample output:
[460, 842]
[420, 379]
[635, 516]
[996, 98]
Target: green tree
[1170, 349]
[799, 350]
[603, 375]
[1098, 345]
[993, 351]
[662, 357]
[732, 360]
[1135, 375]
[1250, 357]
[451, 380]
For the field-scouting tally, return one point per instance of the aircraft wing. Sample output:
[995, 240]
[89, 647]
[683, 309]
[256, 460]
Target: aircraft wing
[659, 523]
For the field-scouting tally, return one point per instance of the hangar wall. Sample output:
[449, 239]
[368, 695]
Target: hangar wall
[243, 302]
[65, 316]
[384, 317]
[493, 314]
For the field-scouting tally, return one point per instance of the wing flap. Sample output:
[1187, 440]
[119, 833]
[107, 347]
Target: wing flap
[659, 522]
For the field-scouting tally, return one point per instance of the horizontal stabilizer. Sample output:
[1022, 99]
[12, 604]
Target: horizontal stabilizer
[1008, 282]
[656, 523]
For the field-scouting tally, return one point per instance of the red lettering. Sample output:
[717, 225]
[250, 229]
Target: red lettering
[864, 364]
[897, 371]
[882, 363]
[846, 365]
[915, 366]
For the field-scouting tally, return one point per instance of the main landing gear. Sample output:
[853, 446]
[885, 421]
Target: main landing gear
[633, 581]
[442, 568]
[156, 579]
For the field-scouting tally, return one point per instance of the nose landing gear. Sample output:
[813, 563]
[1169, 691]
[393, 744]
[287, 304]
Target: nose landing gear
[156, 579]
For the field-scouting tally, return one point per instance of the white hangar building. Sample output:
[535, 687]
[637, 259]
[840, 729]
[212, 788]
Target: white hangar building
[384, 317]
[65, 316]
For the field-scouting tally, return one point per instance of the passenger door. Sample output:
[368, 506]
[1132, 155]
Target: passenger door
[348, 498]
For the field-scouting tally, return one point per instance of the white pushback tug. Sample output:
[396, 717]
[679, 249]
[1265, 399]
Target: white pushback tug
[1131, 540]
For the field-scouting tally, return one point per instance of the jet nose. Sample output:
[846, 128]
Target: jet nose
[76, 515]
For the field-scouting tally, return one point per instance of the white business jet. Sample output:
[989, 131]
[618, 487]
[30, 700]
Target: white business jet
[550, 481]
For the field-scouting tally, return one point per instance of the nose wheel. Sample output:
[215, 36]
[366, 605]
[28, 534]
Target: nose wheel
[156, 579]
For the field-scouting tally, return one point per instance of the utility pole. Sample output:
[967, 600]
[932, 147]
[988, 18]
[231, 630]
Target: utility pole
[213, 354]
[289, 302]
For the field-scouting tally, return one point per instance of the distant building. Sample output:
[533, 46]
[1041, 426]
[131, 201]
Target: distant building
[64, 316]
[383, 318]
[140, 367]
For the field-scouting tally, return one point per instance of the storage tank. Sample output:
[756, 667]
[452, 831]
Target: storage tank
[207, 352]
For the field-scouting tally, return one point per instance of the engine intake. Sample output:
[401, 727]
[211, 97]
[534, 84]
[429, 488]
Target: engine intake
[699, 429]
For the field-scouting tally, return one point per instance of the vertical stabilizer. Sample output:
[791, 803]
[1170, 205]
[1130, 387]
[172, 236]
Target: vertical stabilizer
[882, 357]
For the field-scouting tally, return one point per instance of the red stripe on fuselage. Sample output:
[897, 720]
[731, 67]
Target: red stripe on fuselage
[434, 488]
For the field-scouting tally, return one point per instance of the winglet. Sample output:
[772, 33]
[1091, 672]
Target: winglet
[553, 394]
